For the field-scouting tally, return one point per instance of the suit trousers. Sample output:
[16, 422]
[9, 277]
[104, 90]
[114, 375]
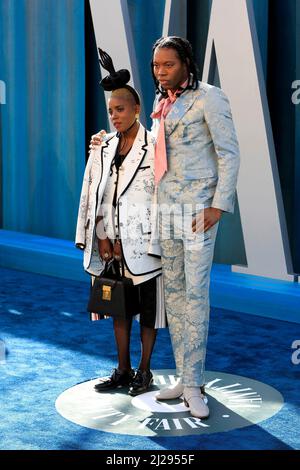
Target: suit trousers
[186, 263]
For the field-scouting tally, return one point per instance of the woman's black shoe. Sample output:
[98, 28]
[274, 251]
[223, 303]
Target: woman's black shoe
[141, 382]
[118, 379]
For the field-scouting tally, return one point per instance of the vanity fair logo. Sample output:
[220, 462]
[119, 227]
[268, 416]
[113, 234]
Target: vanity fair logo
[226, 43]
[234, 402]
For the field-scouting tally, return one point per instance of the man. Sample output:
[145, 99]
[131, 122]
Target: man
[196, 167]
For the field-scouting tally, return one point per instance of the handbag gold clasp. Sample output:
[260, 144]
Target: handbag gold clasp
[106, 292]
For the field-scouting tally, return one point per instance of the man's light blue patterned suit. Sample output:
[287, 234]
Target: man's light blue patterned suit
[203, 162]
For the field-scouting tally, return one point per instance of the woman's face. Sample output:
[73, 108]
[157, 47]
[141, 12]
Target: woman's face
[122, 112]
[168, 69]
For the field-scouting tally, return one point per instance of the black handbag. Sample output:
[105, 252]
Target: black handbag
[113, 294]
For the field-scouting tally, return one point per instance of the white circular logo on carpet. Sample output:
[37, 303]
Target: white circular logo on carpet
[234, 402]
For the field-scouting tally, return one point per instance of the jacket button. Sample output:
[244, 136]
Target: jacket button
[121, 224]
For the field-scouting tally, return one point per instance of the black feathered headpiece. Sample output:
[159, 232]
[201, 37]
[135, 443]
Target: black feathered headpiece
[115, 79]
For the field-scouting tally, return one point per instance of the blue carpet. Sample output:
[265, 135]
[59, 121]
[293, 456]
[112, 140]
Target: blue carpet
[51, 345]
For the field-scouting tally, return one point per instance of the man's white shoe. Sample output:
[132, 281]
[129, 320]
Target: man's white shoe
[170, 393]
[195, 401]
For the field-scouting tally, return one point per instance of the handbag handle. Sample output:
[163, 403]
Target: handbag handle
[112, 265]
[122, 267]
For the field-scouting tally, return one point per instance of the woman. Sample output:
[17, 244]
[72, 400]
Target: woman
[114, 221]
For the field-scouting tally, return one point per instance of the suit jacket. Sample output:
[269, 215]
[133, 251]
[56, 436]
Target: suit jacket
[135, 200]
[201, 142]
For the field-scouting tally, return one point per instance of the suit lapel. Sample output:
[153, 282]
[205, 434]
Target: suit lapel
[178, 110]
[108, 151]
[133, 160]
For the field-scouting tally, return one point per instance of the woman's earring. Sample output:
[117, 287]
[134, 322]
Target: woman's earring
[137, 117]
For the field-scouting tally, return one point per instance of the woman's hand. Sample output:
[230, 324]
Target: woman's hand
[206, 219]
[96, 140]
[105, 249]
[117, 250]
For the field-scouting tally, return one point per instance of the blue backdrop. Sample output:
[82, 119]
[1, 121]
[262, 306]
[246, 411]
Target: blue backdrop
[278, 30]
[42, 63]
[45, 47]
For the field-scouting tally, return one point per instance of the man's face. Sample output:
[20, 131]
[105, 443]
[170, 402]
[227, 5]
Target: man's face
[168, 68]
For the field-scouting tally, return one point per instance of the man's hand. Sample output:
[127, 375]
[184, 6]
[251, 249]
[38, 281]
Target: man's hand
[97, 140]
[105, 249]
[206, 219]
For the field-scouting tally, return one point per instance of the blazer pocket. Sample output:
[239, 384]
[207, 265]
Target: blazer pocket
[145, 228]
[199, 173]
[144, 167]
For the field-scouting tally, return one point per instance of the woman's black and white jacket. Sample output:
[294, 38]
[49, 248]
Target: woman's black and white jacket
[136, 206]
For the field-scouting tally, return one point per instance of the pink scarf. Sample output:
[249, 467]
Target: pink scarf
[161, 112]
